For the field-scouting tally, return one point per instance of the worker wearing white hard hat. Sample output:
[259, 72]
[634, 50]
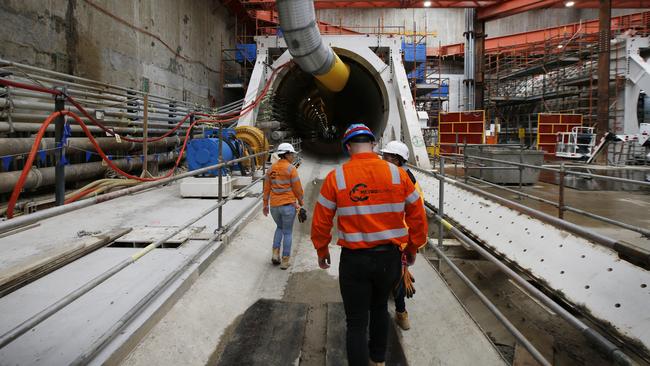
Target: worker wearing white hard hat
[283, 195]
[397, 148]
[397, 152]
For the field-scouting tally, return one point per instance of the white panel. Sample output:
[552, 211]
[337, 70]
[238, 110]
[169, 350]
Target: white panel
[589, 276]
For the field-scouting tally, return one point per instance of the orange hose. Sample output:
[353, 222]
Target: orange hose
[79, 195]
[39, 136]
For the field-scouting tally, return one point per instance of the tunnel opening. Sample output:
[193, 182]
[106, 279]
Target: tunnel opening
[319, 117]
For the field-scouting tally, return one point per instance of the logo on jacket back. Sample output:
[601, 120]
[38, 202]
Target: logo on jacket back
[358, 194]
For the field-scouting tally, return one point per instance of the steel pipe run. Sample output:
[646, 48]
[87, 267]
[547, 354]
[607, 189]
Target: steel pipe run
[492, 308]
[300, 31]
[109, 335]
[41, 177]
[55, 211]
[99, 86]
[603, 344]
[6, 127]
[16, 146]
[30, 323]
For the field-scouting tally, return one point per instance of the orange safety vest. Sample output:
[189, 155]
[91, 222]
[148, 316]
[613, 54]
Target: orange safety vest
[376, 203]
[282, 184]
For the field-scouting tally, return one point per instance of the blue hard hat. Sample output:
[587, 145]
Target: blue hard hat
[357, 129]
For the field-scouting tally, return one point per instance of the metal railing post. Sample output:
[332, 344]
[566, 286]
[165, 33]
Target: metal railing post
[192, 119]
[441, 200]
[560, 204]
[521, 167]
[220, 172]
[59, 172]
[465, 161]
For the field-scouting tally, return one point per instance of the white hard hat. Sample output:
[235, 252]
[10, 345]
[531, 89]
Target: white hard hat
[285, 147]
[397, 148]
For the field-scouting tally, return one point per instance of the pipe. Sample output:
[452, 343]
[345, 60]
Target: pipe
[33, 321]
[16, 146]
[602, 343]
[493, 309]
[34, 127]
[41, 177]
[64, 77]
[55, 211]
[300, 29]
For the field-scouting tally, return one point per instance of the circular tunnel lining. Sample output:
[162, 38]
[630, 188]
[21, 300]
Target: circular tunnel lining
[319, 117]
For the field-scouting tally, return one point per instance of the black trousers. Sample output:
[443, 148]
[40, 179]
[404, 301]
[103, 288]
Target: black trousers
[366, 279]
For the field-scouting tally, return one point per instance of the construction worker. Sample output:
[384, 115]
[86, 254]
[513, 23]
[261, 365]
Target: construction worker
[396, 152]
[283, 192]
[374, 201]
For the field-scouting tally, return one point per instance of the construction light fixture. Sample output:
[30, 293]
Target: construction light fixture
[427, 4]
[569, 4]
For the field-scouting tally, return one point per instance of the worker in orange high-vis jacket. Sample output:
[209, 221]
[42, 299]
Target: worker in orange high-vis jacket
[396, 152]
[378, 209]
[283, 193]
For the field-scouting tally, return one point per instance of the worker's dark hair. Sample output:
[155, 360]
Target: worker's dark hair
[398, 157]
[360, 139]
[284, 155]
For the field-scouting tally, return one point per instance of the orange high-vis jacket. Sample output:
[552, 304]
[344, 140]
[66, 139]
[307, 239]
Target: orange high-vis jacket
[376, 204]
[282, 185]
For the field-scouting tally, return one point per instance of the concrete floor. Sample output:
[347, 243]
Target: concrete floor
[71, 331]
[197, 326]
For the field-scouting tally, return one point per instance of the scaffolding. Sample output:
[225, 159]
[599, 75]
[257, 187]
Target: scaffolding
[555, 75]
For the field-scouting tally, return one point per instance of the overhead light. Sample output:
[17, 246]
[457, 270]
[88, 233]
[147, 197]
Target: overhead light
[569, 4]
[560, 46]
[427, 4]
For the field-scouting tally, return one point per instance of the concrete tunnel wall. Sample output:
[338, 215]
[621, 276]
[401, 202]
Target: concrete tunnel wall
[72, 37]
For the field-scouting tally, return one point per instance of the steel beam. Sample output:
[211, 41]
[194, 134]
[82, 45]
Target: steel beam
[604, 36]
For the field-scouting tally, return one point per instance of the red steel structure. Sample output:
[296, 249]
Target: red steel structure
[487, 9]
[522, 41]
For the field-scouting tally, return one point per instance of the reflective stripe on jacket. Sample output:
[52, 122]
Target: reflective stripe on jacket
[376, 203]
[282, 184]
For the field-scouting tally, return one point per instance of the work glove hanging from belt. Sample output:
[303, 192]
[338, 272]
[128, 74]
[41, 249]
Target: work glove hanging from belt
[302, 215]
[407, 280]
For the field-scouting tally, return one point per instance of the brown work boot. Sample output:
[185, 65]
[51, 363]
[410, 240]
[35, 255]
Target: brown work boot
[275, 259]
[373, 363]
[402, 319]
[285, 262]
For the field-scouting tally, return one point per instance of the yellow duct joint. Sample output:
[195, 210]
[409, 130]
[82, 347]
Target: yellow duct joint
[337, 76]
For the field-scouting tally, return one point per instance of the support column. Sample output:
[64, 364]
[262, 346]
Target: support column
[59, 171]
[468, 81]
[479, 61]
[604, 37]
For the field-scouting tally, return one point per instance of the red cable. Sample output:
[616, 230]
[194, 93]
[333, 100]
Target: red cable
[37, 141]
[39, 136]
